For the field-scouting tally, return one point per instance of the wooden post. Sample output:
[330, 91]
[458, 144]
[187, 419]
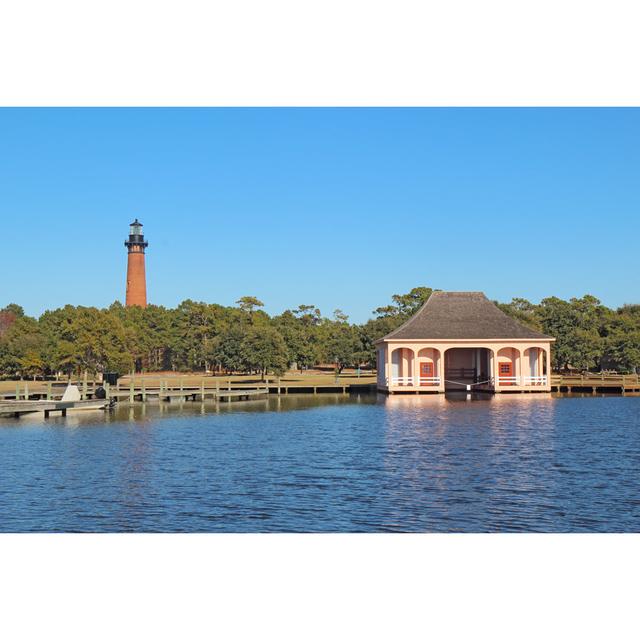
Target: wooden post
[202, 390]
[85, 383]
[107, 391]
[17, 391]
[26, 390]
[278, 386]
[143, 390]
[49, 390]
[131, 390]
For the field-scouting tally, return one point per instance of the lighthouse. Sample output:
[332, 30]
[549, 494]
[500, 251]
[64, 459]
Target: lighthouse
[136, 277]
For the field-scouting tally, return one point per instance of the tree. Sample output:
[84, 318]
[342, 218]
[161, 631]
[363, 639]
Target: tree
[249, 304]
[85, 339]
[14, 309]
[8, 316]
[156, 323]
[576, 325]
[196, 324]
[342, 345]
[264, 349]
[308, 314]
[31, 363]
[340, 316]
[622, 344]
[226, 349]
[523, 311]
[405, 305]
[299, 333]
[197, 335]
[21, 348]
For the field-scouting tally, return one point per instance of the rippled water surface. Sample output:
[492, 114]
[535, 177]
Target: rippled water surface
[329, 463]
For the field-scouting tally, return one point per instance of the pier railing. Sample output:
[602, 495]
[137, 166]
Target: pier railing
[173, 388]
[614, 381]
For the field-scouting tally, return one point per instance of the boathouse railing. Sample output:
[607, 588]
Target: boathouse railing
[503, 381]
[415, 381]
[527, 381]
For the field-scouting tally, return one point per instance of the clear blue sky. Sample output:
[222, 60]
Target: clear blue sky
[339, 208]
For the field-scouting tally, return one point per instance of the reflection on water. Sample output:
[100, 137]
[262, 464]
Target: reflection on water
[452, 456]
[455, 462]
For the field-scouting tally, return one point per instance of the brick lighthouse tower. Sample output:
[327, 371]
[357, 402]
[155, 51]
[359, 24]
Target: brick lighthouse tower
[136, 278]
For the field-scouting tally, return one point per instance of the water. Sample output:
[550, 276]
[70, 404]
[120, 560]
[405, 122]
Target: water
[329, 463]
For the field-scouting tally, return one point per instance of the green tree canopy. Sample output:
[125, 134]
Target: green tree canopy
[199, 336]
[264, 349]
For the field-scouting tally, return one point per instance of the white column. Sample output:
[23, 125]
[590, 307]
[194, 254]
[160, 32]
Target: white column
[548, 371]
[494, 368]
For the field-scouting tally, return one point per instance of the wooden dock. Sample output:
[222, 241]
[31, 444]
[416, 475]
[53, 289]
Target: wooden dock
[149, 388]
[17, 398]
[137, 394]
[177, 389]
[596, 383]
[17, 408]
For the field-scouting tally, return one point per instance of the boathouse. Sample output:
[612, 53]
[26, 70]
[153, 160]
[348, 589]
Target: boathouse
[462, 341]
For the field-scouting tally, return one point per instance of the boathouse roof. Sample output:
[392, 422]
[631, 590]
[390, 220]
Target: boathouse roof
[463, 315]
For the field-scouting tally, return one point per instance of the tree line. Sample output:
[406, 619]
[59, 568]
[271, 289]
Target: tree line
[198, 336]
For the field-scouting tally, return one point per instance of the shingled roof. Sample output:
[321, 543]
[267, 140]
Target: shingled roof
[465, 315]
